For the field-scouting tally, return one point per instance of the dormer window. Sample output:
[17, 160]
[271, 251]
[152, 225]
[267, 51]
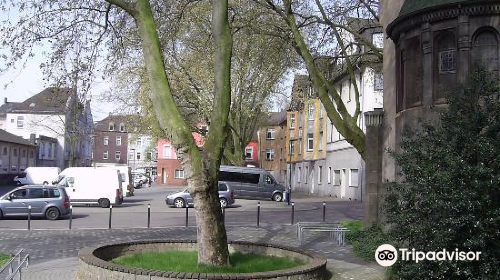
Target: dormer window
[122, 127]
[111, 126]
[32, 105]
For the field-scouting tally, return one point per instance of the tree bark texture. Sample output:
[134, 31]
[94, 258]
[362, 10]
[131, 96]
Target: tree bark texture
[201, 169]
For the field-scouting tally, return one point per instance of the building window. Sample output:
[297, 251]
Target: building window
[485, 51]
[118, 155]
[320, 141]
[310, 142]
[269, 154]
[299, 174]
[179, 174]
[105, 155]
[111, 126]
[167, 151]
[122, 127]
[378, 39]
[20, 122]
[292, 121]
[306, 176]
[138, 156]
[378, 81]
[50, 150]
[106, 140]
[291, 147]
[138, 142]
[300, 146]
[15, 152]
[271, 133]
[336, 178]
[5, 151]
[118, 140]
[131, 156]
[32, 154]
[353, 178]
[329, 175]
[447, 63]
[310, 112]
[249, 153]
[320, 174]
[23, 153]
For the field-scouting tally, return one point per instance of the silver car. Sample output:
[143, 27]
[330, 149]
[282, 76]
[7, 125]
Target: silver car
[45, 201]
[183, 198]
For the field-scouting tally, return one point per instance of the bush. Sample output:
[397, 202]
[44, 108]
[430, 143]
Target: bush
[365, 241]
[450, 195]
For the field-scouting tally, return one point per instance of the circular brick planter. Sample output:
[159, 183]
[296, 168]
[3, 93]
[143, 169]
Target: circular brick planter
[95, 262]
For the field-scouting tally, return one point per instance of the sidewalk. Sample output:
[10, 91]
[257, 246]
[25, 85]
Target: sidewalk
[53, 254]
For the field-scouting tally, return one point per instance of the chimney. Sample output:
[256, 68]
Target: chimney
[5, 100]
[33, 138]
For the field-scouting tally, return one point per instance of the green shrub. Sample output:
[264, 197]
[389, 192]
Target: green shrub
[450, 198]
[365, 241]
[4, 259]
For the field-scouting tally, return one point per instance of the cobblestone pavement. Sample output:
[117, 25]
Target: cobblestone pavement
[53, 253]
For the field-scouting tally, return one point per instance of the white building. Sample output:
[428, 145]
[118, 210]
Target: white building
[53, 113]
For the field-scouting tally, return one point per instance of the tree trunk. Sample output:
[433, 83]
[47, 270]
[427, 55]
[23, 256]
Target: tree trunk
[201, 170]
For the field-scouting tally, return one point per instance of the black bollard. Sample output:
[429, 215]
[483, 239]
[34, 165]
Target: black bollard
[149, 215]
[224, 215]
[258, 213]
[324, 211]
[70, 216]
[187, 215]
[110, 214]
[29, 217]
[293, 211]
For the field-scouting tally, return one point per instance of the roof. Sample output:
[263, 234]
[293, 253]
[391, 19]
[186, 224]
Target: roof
[11, 138]
[103, 125]
[7, 107]
[410, 6]
[50, 100]
[276, 118]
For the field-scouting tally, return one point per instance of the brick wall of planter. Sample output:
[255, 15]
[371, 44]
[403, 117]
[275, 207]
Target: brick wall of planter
[95, 262]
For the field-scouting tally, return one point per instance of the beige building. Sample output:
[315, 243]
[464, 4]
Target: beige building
[16, 154]
[272, 140]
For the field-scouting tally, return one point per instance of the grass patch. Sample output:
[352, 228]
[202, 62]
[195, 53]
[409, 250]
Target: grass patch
[187, 261]
[4, 259]
[365, 241]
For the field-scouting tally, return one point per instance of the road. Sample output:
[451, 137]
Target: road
[133, 212]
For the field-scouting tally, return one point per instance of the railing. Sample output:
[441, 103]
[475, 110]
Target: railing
[14, 270]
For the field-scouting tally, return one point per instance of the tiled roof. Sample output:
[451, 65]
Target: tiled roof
[276, 118]
[50, 100]
[410, 6]
[103, 125]
[11, 138]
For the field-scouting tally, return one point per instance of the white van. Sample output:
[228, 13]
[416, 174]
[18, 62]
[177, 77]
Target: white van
[126, 174]
[37, 176]
[89, 185]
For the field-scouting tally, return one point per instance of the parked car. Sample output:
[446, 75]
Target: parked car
[46, 201]
[36, 176]
[183, 198]
[89, 185]
[251, 182]
[140, 179]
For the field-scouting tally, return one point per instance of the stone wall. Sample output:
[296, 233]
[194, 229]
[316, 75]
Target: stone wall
[95, 264]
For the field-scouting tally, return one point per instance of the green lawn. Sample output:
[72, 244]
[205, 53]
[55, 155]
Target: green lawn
[187, 261]
[4, 258]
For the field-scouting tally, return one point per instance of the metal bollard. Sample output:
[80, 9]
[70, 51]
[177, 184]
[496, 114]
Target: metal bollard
[149, 215]
[224, 215]
[293, 211]
[29, 217]
[324, 211]
[187, 215]
[110, 214]
[258, 213]
[70, 216]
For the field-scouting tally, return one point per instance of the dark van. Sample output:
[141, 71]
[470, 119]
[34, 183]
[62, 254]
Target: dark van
[251, 182]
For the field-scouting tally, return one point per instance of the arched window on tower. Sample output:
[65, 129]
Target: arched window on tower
[445, 66]
[485, 50]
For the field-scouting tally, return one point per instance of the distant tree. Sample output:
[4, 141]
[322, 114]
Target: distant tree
[450, 194]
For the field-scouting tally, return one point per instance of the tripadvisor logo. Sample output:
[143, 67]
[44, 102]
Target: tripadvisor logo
[387, 255]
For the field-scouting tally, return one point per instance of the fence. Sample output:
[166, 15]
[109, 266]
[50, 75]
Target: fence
[14, 267]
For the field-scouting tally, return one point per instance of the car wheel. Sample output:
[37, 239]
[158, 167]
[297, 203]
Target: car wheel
[45, 183]
[104, 203]
[277, 197]
[1, 215]
[223, 202]
[52, 214]
[179, 203]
